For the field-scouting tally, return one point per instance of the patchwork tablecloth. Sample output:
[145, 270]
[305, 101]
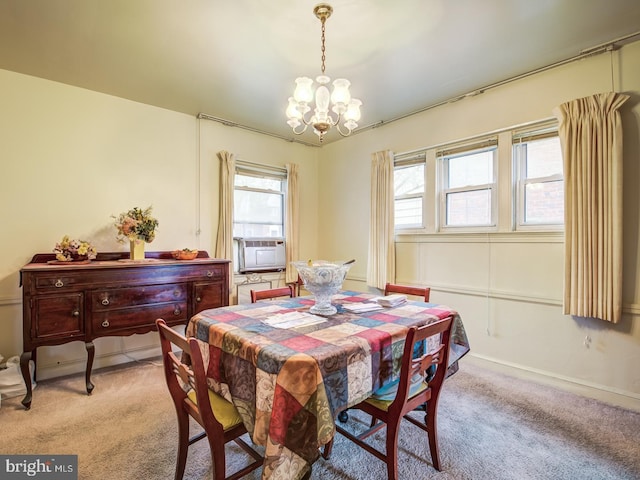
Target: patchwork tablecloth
[289, 384]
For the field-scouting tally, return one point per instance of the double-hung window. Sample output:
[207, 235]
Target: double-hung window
[409, 191]
[539, 178]
[468, 185]
[259, 201]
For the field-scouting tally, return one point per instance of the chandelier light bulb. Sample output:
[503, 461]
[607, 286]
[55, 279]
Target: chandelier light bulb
[341, 95]
[304, 91]
[292, 109]
[353, 110]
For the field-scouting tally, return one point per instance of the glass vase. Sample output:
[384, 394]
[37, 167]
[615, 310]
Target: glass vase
[323, 279]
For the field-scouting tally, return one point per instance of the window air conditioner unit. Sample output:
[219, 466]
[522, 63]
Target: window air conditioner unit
[258, 254]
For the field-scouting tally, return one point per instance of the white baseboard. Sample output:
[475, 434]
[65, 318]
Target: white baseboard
[45, 372]
[620, 398]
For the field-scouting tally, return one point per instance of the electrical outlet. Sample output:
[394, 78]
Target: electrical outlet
[587, 341]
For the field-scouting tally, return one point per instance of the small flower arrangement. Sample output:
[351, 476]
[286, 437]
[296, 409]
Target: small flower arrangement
[136, 224]
[68, 250]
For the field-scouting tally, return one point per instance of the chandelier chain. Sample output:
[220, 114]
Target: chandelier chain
[323, 56]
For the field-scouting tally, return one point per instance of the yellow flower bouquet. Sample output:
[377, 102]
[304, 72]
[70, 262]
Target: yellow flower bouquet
[70, 250]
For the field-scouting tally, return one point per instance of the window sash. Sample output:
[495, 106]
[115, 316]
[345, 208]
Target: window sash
[416, 197]
[525, 211]
[447, 193]
[258, 221]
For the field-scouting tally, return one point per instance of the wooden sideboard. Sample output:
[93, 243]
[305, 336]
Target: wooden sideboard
[112, 296]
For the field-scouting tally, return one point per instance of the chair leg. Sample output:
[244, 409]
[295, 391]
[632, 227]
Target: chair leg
[392, 450]
[183, 443]
[326, 450]
[218, 459]
[432, 432]
[307, 476]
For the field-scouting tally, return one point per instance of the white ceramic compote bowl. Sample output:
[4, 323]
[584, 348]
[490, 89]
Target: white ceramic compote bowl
[323, 279]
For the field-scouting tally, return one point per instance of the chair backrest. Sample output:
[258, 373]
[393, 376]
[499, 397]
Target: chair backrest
[297, 285]
[178, 373]
[423, 292]
[437, 355]
[287, 291]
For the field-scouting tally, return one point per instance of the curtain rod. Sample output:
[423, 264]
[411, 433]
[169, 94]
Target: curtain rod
[228, 123]
[471, 138]
[587, 52]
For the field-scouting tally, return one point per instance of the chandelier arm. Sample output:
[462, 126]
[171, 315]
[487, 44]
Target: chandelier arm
[341, 132]
[307, 122]
[304, 129]
[330, 120]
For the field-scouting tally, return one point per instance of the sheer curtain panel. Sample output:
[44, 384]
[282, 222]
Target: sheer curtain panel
[590, 132]
[381, 262]
[224, 241]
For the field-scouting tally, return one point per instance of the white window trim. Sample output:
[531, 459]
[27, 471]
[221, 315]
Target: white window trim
[505, 201]
[246, 168]
[520, 136]
[400, 161]
[488, 143]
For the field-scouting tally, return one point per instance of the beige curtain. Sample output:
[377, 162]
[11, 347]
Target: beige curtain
[591, 137]
[291, 230]
[381, 262]
[224, 241]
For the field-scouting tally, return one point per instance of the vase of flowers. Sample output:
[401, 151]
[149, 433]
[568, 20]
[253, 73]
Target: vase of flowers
[71, 250]
[137, 226]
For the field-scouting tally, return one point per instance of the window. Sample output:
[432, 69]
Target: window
[409, 188]
[468, 184]
[540, 183]
[258, 208]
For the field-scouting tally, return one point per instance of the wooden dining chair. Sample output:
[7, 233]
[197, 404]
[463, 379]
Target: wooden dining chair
[297, 285]
[219, 418]
[412, 390]
[279, 292]
[424, 292]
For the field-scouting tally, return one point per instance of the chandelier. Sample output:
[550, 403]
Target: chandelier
[344, 107]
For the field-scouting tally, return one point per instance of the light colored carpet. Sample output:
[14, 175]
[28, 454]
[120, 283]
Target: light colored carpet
[491, 426]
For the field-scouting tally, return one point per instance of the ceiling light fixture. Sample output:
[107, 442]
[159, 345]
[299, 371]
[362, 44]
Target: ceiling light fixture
[345, 107]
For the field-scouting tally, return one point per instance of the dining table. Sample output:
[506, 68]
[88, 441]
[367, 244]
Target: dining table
[291, 373]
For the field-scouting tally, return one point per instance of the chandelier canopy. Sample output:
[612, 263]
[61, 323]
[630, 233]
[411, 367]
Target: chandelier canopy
[344, 107]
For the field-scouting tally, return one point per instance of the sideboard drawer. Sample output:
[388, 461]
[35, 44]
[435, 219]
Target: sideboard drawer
[55, 282]
[115, 298]
[106, 322]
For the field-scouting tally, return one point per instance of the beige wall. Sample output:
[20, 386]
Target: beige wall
[71, 158]
[508, 287]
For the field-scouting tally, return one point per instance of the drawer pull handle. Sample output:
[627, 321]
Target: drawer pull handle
[105, 324]
[105, 301]
[176, 293]
[209, 273]
[59, 283]
[198, 299]
[177, 311]
[75, 313]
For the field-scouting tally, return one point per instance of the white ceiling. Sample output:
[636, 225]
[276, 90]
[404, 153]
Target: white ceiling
[238, 59]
